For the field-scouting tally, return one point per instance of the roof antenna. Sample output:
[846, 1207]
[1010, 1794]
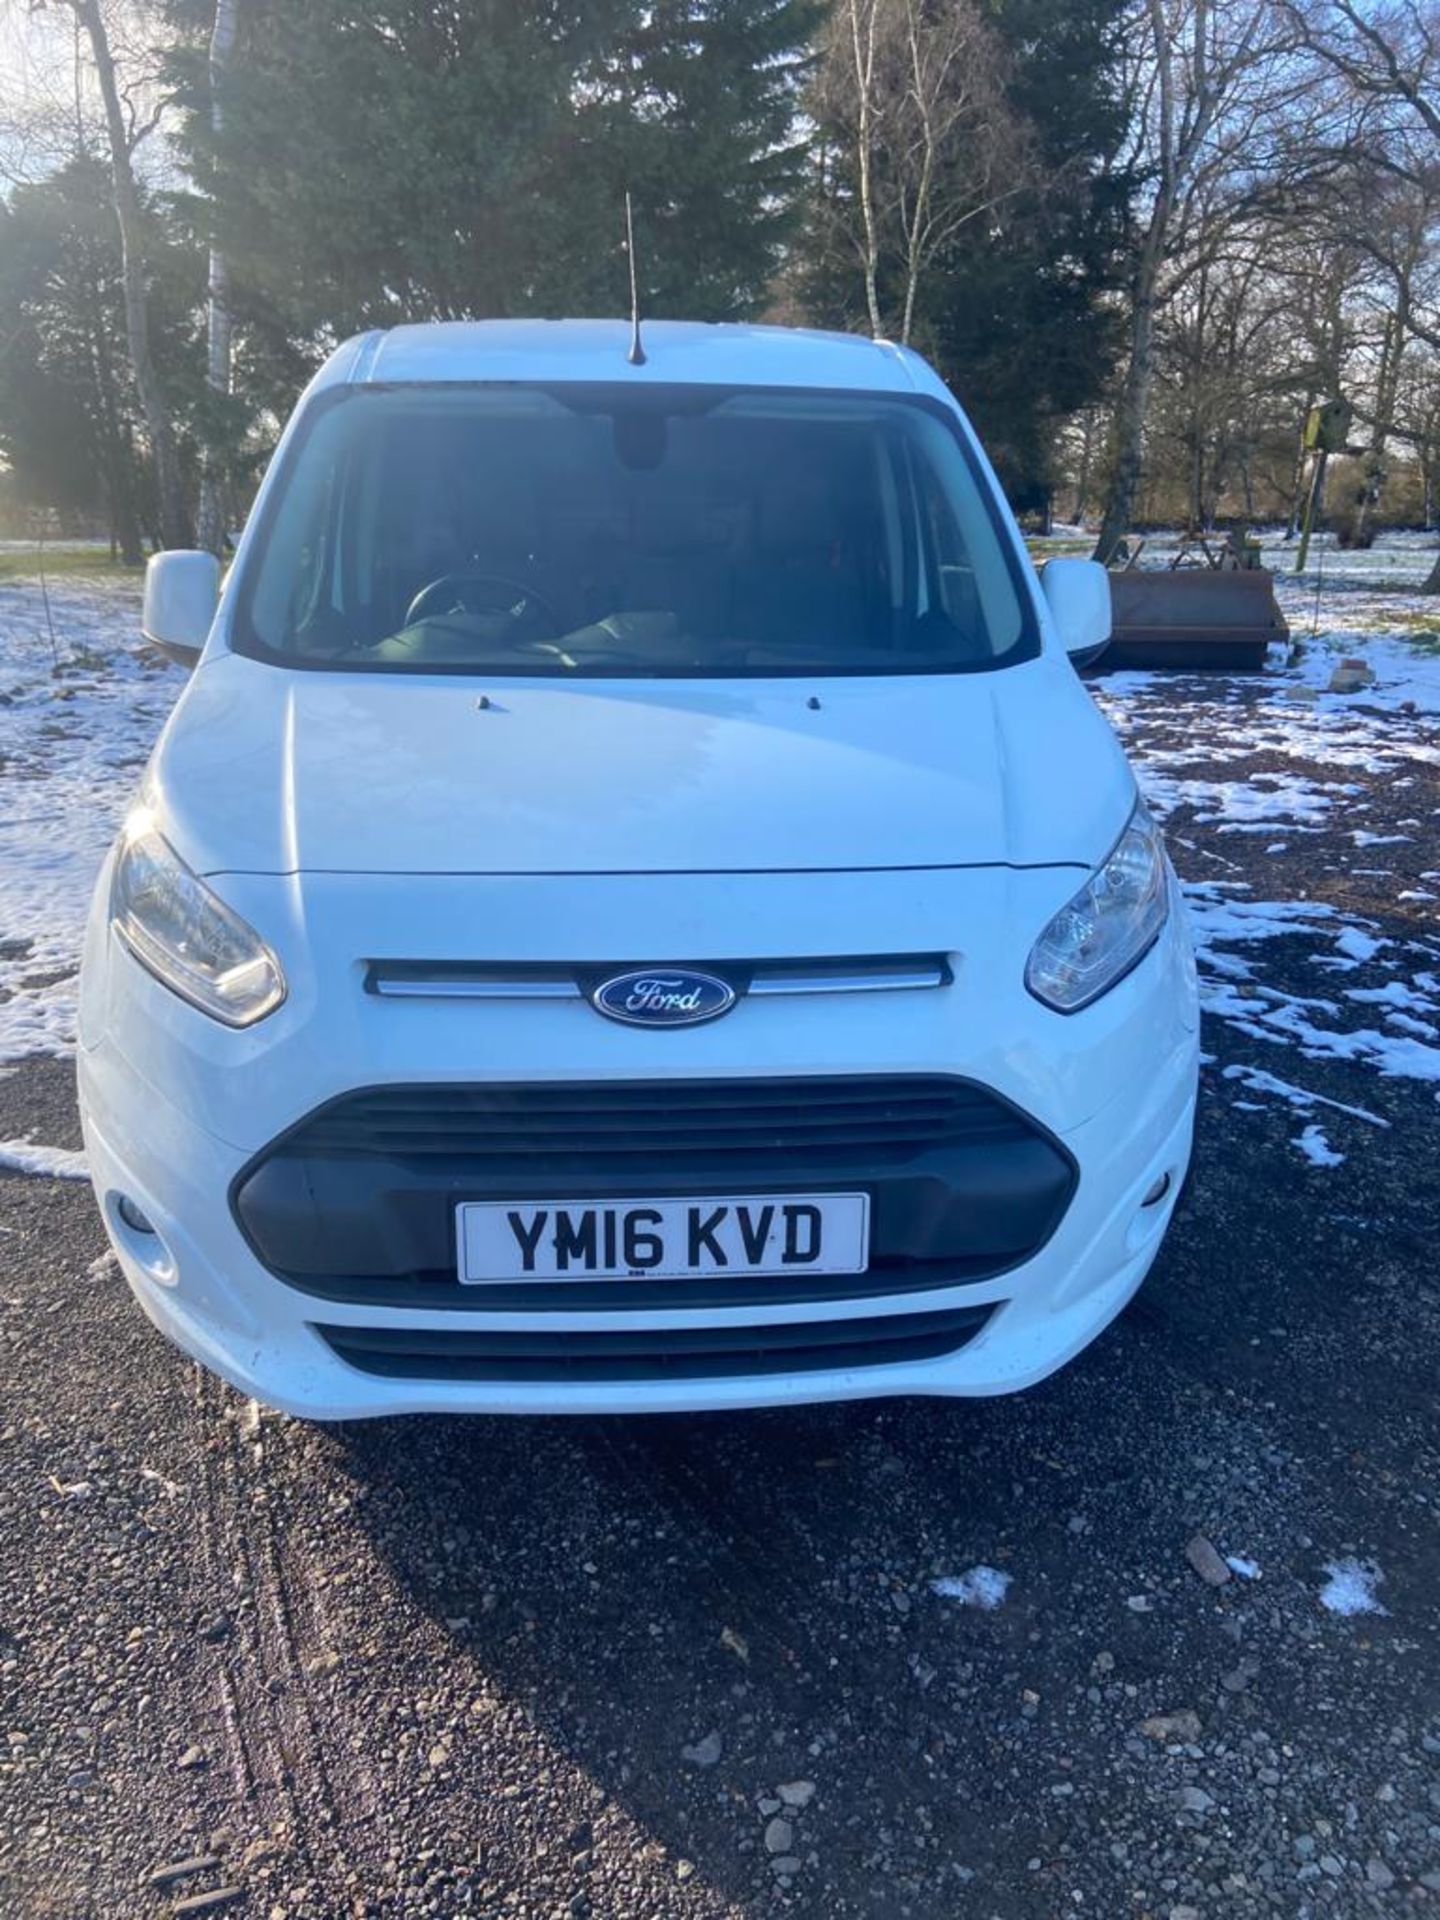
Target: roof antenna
[636, 355]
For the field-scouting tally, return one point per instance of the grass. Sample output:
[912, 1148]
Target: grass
[1410, 622]
[61, 561]
[1045, 546]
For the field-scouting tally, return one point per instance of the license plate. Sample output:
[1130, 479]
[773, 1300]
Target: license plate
[662, 1239]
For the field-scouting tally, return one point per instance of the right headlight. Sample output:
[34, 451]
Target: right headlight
[1112, 922]
[185, 935]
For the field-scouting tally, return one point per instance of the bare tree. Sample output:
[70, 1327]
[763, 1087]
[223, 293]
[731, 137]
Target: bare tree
[123, 136]
[210, 526]
[916, 93]
[1202, 89]
[1388, 56]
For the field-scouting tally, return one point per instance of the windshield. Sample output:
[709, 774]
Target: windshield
[680, 531]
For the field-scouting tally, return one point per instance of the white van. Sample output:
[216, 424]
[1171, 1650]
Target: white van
[635, 908]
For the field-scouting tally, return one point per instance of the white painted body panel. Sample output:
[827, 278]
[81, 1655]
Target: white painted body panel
[352, 818]
[265, 771]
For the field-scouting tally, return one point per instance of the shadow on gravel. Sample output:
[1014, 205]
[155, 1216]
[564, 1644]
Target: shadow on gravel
[644, 1586]
[640, 1587]
[565, 1669]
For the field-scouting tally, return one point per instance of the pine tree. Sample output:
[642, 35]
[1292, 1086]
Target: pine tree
[382, 160]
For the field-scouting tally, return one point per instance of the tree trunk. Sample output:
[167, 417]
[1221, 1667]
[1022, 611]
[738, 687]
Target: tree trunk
[1297, 474]
[117, 453]
[864, 82]
[174, 519]
[1387, 385]
[210, 529]
[1082, 478]
[1135, 394]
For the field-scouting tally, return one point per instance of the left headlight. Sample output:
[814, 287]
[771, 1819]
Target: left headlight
[190, 940]
[1112, 922]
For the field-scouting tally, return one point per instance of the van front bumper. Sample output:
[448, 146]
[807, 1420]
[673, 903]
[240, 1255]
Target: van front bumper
[201, 1283]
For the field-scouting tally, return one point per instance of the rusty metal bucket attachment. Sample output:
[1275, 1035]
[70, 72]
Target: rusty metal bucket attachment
[1193, 617]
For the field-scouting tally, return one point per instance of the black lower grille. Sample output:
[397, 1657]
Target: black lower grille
[686, 1353]
[357, 1203]
[520, 1127]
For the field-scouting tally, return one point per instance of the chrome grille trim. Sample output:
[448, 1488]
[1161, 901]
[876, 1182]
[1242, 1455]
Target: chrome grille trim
[502, 980]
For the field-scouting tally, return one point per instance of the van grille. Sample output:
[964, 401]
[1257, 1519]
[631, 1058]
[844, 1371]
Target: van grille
[645, 1119]
[357, 1202]
[671, 1353]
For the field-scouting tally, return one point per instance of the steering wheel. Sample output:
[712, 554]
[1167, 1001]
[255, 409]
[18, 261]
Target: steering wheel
[466, 593]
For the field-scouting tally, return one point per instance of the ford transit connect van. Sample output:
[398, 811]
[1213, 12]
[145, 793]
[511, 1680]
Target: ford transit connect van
[634, 908]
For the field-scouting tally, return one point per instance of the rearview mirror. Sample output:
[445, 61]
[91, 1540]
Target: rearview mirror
[181, 592]
[1078, 592]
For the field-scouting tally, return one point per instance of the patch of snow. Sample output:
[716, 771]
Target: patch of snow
[982, 1587]
[78, 730]
[1259, 1081]
[1351, 1587]
[1221, 921]
[1317, 1149]
[1256, 805]
[1358, 944]
[1394, 993]
[55, 1163]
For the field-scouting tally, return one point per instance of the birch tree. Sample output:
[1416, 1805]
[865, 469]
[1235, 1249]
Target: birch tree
[124, 133]
[210, 524]
[913, 96]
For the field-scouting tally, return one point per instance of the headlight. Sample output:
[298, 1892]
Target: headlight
[1111, 923]
[176, 927]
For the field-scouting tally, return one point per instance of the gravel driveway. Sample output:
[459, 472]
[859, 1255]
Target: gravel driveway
[701, 1665]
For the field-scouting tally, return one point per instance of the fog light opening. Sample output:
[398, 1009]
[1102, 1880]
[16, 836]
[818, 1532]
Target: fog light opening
[133, 1215]
[139, 1239]
[1158, 1192]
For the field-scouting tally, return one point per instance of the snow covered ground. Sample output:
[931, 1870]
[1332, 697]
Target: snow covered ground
[80, 706]
[1306, 830]
[1305, 825]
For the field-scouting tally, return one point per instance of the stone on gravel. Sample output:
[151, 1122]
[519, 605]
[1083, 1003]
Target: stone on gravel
[1350, 676]
[207, 1902]
[785, 1863]
[192, 1757]
[797, 1793]
[1206, 1561]
[1194, 1800]
[1182, 1726]
[779, 1836]
[705, 1752]
[174, 1870]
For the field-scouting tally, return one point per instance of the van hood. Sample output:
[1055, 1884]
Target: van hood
[263, 770]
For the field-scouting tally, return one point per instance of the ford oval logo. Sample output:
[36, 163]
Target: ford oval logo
[663, 997]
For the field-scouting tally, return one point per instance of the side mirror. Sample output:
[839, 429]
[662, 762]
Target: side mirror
[1079, 595]
[181, 592]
